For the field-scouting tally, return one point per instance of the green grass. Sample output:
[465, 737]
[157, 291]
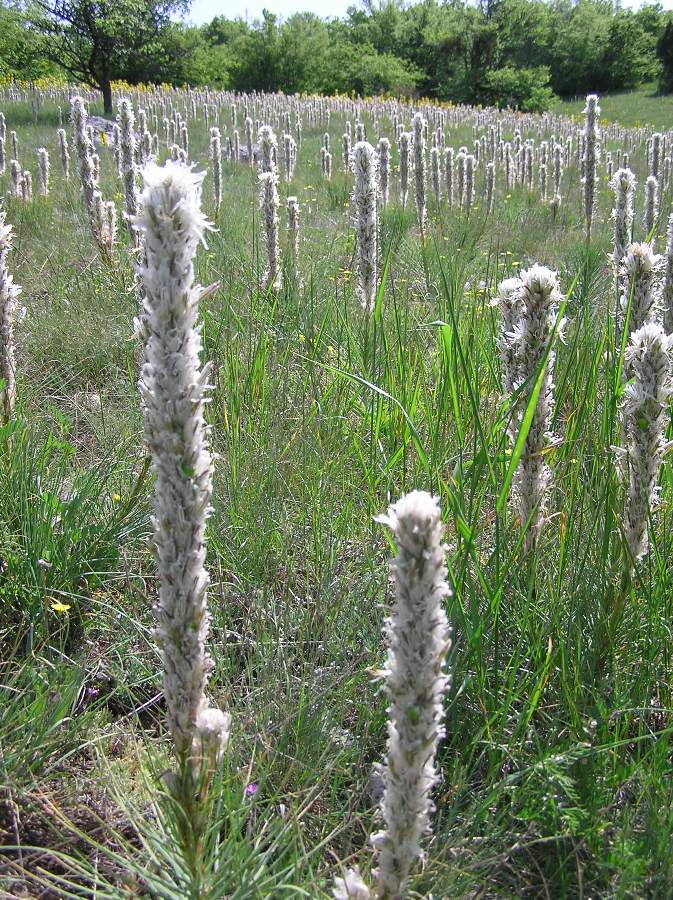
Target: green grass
[554, 782]
[639, 108]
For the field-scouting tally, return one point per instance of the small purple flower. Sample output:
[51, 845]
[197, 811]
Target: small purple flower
[250, 789]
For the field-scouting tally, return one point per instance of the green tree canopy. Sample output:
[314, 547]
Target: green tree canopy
[97, 41]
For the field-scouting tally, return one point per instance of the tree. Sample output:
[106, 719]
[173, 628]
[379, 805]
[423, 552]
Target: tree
[20, 55]
[97, 41]
[665, 54]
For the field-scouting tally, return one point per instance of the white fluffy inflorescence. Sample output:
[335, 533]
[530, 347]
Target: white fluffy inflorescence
[127, 151]
[448, 175]
[384, 169]
[490, 187]
[418, 638]
[640, 269]
[216, 164]
[15, 177]
[651, 205]
[293, 230]
[645, 415]
[591, 158]
[346, 151]
[435, 176]
[624, 185]
[65, 155]
[8, 294]
[268, 149]
[509, 301]
[539, 298]
[43, 169]
[366, 224]
[269, 204]
[351, 887]
[469, 182]
[667, 287]
[172, 386]
[84, 151]
[248, 140]
[405, 162]
[419, 171]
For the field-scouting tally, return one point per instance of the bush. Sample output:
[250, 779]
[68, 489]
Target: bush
[525, 89]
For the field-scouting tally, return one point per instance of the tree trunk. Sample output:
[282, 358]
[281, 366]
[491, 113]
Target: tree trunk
[106, 88]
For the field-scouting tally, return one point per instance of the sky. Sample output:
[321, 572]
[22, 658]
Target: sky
[205, 10]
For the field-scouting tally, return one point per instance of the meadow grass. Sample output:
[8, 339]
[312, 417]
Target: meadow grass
[555, 778]
[643, 107]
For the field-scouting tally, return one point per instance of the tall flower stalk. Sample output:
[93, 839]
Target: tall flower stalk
[490, 187]
[540, 298]
[384, 169]
[448, 175]
[8, 294]
[43, 170]
[269, 203]
[591, 158]
[127, 139]
[366, 224]
[419, 172]
[667, 287]
[405, 164]
[639, 273]
[172, 387]
[83, 150]
[624, 185]
[651, 205]
[65, 155]
[293, 231]
[645, 416]
[216, 165]
[418, 639]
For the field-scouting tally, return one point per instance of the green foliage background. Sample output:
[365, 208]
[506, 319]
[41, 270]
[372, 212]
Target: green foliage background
[503, 52]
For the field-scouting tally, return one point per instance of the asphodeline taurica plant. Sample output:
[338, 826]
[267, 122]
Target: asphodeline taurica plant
[172, 386]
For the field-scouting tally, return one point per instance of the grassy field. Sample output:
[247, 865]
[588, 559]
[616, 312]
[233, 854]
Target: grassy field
[555, 777]
[640, 108]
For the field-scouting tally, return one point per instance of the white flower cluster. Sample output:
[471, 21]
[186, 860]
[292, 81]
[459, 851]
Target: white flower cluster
[490, 187]
[269, 204]
[667, 287]
[591, 158]
[366, 223]
[448, 175]
[268, 149]
[645, 415]
[434, 174]
[351, 887]
[624, 185]
[419, 125]
[65, 155]
[639, 277]
[8, 295]
[293, 229]
[418, 638]
[651, 205]
[43, 168]
[405, 163]
[383, 149]
[529, 306]
[127, 139]
[172, 386]
[216, 164]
